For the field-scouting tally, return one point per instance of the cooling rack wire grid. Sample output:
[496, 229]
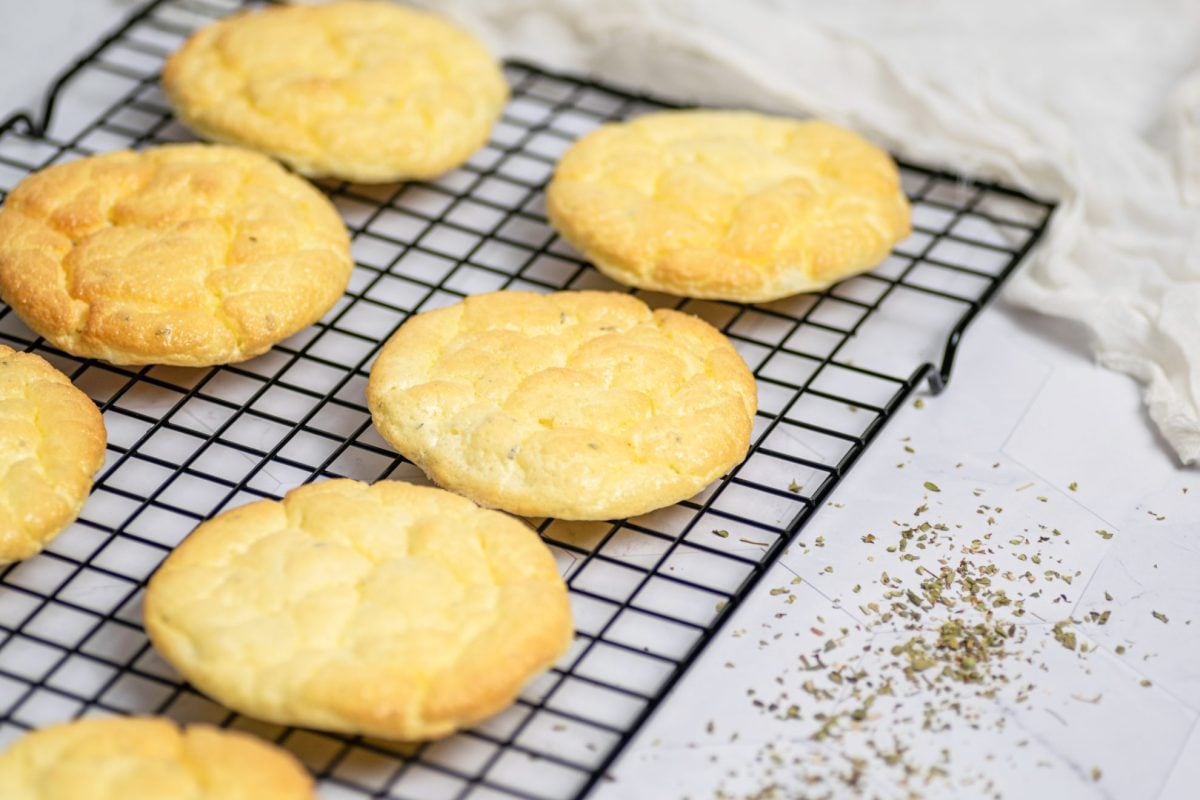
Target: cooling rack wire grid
[648, 593]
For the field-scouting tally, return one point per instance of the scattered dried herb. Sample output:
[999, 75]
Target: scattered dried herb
[1063, 636]
[954, 594]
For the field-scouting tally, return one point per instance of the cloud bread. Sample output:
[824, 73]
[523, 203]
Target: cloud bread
[576, 405]
[190, 255]
[146, 758]
[51, 444]
[728, 205]
[364, 91]
[390, 610]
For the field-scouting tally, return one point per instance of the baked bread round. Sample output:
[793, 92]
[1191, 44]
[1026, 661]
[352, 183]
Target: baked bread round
[364, 91]
[390, 610]
[190, 255]
[148, 758]
[51, 444]
[728, 205]
[576, 405]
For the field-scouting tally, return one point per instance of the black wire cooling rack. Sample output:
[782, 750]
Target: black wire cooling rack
[648, 593]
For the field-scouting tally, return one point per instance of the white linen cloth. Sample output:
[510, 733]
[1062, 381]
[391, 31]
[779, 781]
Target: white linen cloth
[1088, 102]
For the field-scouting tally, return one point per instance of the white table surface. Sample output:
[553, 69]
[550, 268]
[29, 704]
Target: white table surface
[1025, 396]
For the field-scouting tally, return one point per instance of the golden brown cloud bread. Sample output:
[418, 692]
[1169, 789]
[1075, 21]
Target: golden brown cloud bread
[728, 205]
[148, 758]
[365, 91]
[189, 255]
[576, 405]
[391, 610]
[51, 444]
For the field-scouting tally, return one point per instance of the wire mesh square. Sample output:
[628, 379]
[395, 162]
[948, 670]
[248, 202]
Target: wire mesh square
[648, 593]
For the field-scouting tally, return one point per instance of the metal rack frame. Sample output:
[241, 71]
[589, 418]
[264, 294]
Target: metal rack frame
[649, 593]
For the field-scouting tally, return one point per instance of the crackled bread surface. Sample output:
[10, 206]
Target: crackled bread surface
[51, 444]
[576, 405]
[728, 205]
[364, 91]
[190, 255]
[145, 758]
[390, 610]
